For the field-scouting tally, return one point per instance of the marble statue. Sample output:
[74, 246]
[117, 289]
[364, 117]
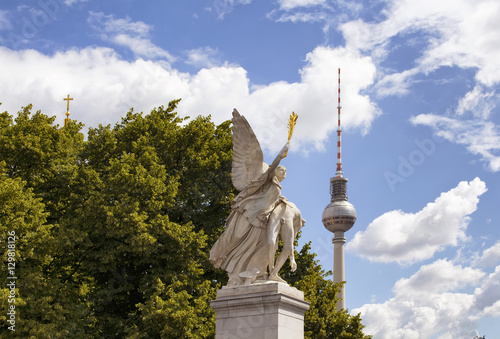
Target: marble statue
[258, 213]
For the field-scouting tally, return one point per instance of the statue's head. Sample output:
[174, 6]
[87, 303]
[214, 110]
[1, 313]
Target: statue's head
[280, 172]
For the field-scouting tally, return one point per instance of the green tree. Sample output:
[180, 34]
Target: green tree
[38, 164]
[153, 189]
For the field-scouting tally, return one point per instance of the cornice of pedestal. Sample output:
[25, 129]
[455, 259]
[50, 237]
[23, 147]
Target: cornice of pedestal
[273, 294]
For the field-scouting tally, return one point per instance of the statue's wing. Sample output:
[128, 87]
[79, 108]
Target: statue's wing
[248, 159]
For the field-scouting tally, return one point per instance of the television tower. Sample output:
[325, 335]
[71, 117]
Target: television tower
[339, 216]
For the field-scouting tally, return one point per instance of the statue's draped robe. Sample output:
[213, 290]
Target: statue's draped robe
[243, 245]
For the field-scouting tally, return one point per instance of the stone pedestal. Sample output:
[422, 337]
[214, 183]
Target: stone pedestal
[269, 310]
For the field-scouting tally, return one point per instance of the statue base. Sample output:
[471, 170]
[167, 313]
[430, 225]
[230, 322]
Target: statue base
[269, 310]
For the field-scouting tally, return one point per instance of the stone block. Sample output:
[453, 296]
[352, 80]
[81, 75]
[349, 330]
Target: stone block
[270, 310]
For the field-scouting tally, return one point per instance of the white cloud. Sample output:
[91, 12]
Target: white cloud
[329, 13]
[395, 84]
[312, 99]
[438, 277]
[71, 2]
[480, 137]
[428, 304]
[105, 87]
[223, 7]
[364, 36]
[451, 33]
[290, 4]
[457, 32]
[492, 311]
[487, 296]
[128, 33]
[202, 57]
[478, 102]
[302, 17]
[471, 40]
[215, 91]
[491, 256]
[406, 238]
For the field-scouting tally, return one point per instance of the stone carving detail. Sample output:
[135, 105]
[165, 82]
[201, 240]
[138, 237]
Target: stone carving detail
[258, 213]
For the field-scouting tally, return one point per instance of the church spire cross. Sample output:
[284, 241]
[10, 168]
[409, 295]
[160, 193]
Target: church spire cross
[67, 100]
[67, 120]
[67, 105]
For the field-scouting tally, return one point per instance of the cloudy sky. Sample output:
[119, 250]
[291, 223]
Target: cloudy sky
[420, 110]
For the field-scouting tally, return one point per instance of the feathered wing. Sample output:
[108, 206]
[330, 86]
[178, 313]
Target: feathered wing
[248, 159]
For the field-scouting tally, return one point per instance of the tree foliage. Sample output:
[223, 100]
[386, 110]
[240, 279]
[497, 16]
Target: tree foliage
[113, 232]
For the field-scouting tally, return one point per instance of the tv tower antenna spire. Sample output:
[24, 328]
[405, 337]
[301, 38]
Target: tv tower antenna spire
[339, 138]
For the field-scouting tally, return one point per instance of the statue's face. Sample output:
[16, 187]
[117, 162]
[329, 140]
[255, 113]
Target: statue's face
[281, 173]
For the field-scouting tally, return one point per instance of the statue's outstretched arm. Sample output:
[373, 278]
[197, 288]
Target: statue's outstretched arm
[280, 155]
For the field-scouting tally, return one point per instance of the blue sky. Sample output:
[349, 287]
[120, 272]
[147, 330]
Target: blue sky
[420, 110]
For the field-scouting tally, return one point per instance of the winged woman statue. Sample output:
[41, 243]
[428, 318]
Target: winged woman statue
[242, 250]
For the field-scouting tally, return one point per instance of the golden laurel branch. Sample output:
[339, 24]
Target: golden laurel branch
[291, 125]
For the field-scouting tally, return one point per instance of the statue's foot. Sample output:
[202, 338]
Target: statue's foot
[275, 277]
[233, 281]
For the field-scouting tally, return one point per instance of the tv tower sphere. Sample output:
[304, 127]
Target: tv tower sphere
[339, 215]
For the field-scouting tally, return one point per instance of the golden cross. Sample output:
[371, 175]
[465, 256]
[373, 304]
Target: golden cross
[67, 99]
